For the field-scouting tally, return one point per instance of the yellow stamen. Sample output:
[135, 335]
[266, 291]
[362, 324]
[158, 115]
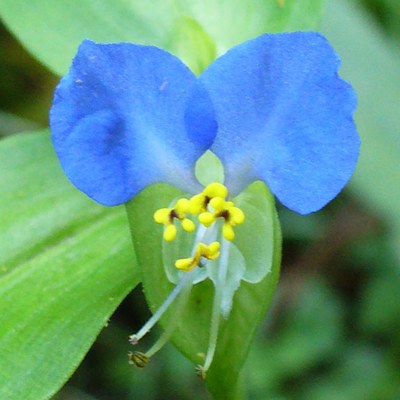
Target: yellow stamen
[227, 231]
[161, 216]
[215, 190]
[182, 205]
[170, 232]
[225, 209]
[237, 215]
[199, 202]
[185, 264]
[188, 225]
[210, 252]
[218, 203]
[166, 217]
[206, 218]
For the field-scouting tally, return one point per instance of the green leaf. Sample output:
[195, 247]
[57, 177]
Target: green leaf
[192, 323]
[372, 64]
[66, 264]
[231, 22]
[189, 36]
[194, 30]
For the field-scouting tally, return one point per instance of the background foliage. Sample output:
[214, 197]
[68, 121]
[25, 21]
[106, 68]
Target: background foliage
[332, 332]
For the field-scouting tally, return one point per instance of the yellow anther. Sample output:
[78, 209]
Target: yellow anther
[210, 252]
[199, 202]
[225, 209]
[217, 203]
[185, 264]
[182, 205]
[169, 233]
[233, 216]
[166, 217]
[227, 231]
[188, 225]
[206, 218]
[215, 190]
[237, 215]
[162, 215]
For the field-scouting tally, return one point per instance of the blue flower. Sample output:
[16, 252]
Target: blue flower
[272, 109]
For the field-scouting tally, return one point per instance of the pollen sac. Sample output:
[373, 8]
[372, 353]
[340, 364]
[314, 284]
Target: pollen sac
[199, 202]
[166, 216]
[223, 209]
[210, 252]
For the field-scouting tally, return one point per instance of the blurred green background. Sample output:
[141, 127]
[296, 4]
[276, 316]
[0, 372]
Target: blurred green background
[333, 330]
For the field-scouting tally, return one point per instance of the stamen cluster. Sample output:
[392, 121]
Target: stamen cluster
[209, 206]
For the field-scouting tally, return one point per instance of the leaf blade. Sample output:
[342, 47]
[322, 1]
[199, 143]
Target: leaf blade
[45, 30]
[61, 283]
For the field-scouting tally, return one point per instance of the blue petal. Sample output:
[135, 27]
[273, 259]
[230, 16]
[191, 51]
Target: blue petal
[284, 117]
[127, 116]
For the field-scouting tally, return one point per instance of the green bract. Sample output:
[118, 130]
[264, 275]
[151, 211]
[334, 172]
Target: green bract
[254, 256]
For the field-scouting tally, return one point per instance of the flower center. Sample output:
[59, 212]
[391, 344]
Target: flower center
[209, 206]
